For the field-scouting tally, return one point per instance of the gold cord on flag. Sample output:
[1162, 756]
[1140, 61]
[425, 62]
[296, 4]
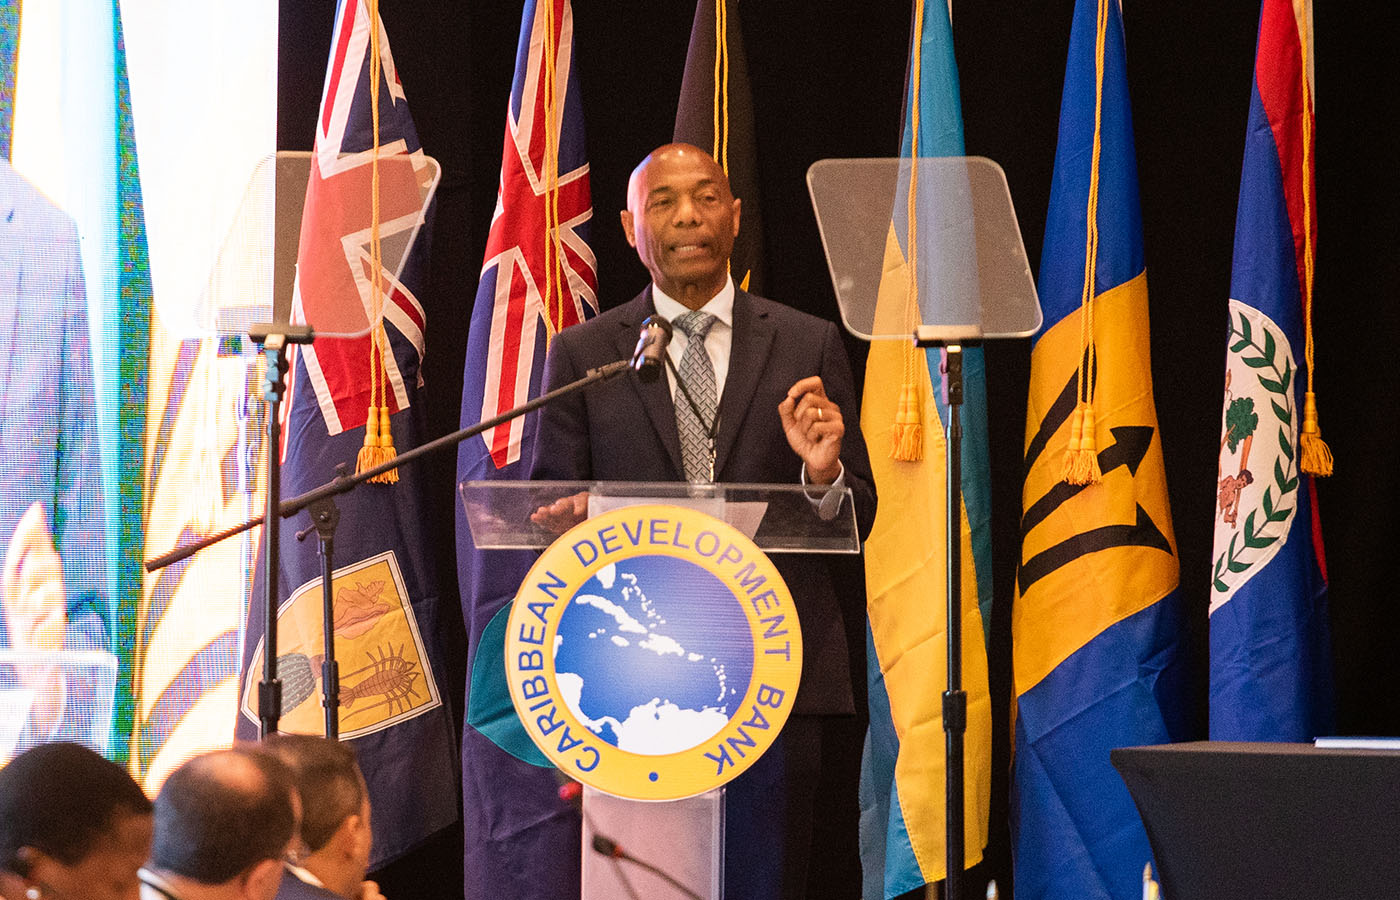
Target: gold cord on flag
[555, 293]
[907, 433]
[1316, 455]
[379, 436]
[720, 128]
[1081, 461]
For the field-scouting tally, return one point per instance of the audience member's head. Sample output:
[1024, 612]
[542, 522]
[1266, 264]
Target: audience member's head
[223, 824]
[72, 825]
[335, 811]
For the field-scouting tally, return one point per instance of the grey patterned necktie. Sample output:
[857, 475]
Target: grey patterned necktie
[697, 373]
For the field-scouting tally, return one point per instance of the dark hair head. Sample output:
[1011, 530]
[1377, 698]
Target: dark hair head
[221, 813]
[328, 779]
[62, 800]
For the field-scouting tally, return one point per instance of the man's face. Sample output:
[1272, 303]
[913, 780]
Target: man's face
[682, 219]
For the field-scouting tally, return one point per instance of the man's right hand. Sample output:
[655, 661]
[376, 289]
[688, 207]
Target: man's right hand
[369, 890]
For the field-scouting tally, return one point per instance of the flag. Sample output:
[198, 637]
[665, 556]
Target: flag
[1270, 667]
[1096, 621]
[538, 276]
[715, 113]
[385, 598]
[903, 804]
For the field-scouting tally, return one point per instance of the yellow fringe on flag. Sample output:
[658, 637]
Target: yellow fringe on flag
[1081, 462]
[1317, 456]
[378, 447]
[907, 435]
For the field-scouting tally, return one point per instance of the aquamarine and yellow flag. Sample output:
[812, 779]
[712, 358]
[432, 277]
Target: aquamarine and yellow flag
[1096, 621]
[903, 415]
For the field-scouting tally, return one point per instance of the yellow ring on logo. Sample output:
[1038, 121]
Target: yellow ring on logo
[532, 637]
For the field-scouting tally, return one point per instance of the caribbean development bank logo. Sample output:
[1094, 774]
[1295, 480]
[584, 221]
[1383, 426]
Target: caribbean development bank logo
[653, 653]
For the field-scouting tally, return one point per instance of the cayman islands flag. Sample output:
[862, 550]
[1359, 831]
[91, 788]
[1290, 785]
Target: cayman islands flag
[385, 595]
[902, 798]
[539, 276]
[1270, 666]
[1096, 623]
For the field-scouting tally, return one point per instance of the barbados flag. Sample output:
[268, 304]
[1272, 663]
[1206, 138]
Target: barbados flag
[902, 827]
[1095, 626]
[1270, 667]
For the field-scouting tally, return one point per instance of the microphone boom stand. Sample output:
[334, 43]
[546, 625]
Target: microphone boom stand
[325, 516]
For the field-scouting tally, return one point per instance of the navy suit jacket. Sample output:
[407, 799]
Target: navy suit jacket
[624, 430]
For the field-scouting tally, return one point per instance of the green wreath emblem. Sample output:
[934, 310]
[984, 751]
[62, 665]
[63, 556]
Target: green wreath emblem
[1277, 381]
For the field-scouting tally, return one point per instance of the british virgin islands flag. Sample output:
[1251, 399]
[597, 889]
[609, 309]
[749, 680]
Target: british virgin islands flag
[1096, 622]
[902, 824]
[538, 276]
[1270, 672]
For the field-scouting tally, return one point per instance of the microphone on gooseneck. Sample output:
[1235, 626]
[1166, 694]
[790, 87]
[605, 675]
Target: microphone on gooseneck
[571, 793]
[651, 348]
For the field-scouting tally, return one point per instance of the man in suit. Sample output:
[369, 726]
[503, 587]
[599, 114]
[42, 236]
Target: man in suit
[771, 396]
[52, 531]
[335, 823]
[224, 823]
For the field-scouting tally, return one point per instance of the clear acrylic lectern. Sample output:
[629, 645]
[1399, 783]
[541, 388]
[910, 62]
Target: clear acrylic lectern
[684, 837]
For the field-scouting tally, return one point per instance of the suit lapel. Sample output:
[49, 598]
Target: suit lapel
[748, 354]
[655, 397]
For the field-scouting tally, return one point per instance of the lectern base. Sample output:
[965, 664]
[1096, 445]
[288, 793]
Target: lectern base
[683, 838]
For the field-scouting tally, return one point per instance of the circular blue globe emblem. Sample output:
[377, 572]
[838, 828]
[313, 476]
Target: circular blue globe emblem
[653, 653]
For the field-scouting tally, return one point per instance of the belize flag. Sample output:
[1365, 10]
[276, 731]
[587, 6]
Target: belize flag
[1270, 661]
[1096, 623]
[538, 276]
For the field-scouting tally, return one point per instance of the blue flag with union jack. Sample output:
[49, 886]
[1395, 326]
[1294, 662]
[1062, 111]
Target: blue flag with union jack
[384, 586]
[539, 276]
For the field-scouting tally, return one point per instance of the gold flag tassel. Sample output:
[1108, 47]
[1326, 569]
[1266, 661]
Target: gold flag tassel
[379, 435]
[1315, 456]
[907, 432]
[1081, 460]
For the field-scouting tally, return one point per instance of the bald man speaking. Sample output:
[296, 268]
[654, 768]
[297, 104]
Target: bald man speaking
[771, 401]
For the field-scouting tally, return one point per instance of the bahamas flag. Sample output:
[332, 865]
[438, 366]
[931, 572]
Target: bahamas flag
[1096, 622]
[902, 775]
[1270, 667]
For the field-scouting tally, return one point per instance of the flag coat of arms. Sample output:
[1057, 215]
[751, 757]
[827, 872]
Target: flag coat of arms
[538, 276]
[1096, 622]
[385, 595]
[1270, 665]
[903, 827]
